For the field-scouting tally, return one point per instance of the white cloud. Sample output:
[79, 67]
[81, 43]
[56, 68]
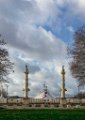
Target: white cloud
[81, 5]
[60, 2]
[76, 8]
[39, 43]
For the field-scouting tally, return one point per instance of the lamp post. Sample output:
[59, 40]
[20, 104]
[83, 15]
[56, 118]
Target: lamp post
[78, 90]
[7, 91]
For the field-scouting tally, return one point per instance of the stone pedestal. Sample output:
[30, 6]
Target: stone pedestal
[26, 101]
[42, 105]
[62, 102]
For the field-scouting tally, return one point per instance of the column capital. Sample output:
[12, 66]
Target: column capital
[63, 70]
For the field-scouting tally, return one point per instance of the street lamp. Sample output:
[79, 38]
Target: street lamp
[7, 92]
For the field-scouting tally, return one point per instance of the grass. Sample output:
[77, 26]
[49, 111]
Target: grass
[42, 114]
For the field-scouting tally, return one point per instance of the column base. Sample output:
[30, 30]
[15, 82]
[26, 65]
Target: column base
[62, 102]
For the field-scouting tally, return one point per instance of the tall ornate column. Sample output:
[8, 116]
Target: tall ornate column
[26, 89]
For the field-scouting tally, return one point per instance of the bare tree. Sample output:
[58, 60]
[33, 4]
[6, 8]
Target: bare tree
[5, 64]
[77, 53]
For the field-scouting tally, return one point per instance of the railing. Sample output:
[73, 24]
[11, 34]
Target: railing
[44, 100]
[32, 100]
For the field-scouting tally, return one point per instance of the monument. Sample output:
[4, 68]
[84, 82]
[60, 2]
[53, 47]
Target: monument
[63, 90]
[26, 88]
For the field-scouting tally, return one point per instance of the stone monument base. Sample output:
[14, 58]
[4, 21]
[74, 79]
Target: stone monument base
[62, 102]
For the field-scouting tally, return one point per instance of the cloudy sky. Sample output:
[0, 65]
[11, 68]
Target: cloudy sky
[38, 33]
